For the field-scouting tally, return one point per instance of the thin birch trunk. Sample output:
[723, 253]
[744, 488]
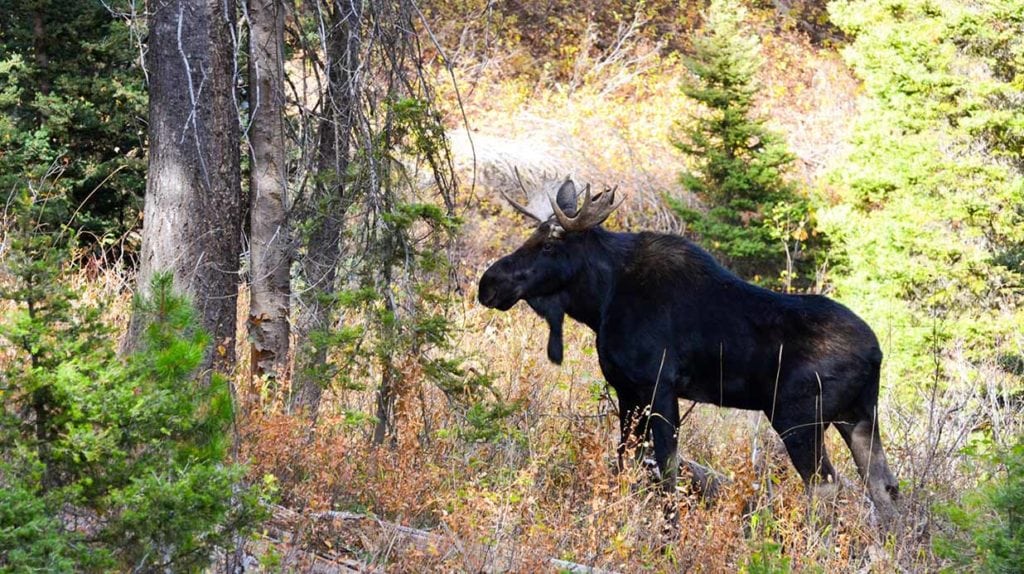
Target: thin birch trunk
[270, 258]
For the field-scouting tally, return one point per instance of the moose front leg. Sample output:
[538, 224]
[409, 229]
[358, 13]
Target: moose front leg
[664, 421]
[633, 427]
[664, 424]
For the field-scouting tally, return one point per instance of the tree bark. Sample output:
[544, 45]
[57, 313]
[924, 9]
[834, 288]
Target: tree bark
[269, 239]
[192, 216]
[387, 399]
[39, 47]
[325, 209]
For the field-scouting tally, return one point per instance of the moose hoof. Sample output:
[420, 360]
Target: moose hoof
[825, 493]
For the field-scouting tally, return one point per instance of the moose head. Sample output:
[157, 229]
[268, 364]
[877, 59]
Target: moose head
[544, 268]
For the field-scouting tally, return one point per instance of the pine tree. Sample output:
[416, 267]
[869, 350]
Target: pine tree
[72, 93]
[754, 216]
[136, 448]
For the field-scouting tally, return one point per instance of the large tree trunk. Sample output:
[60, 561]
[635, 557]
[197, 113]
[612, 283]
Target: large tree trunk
[325, 208]
[39, 47]
[192, 220]
[269, 233]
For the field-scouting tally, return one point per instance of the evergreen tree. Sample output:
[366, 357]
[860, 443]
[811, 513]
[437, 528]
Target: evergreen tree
[754, 216]
[106, 463]
[72, 110]
[990, 529]
[930, 231]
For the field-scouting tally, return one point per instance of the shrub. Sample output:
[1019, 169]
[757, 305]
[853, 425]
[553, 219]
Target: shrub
[990, 520]
[107, 463]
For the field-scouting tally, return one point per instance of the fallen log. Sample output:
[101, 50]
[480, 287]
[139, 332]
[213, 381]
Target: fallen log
[348, 529]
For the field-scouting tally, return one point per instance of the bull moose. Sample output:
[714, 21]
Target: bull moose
[672, 323]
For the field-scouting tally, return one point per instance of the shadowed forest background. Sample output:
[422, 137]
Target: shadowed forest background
[240, 242]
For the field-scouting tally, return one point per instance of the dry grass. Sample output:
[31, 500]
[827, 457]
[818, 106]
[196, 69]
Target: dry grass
[548, 487]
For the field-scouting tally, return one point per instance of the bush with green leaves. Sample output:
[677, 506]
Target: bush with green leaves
[755, 221]
[107, 463]
[929, 232]
[989, 522]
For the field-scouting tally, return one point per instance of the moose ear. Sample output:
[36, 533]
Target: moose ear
[550, 308]
[566, 197]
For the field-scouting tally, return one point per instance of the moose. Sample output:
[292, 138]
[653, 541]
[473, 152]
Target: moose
[672, 323]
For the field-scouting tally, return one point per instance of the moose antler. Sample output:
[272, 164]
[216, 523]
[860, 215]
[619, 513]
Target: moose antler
[518, 206]
[592, 212]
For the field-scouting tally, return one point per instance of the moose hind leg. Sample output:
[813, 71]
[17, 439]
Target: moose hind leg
[866, 445]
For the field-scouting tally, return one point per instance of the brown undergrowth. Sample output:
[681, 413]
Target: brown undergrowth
[547, 487]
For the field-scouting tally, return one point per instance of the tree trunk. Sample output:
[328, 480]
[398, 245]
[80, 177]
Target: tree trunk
[325, 209]
[270, 260]
[39, 47]
[387, 394]
[192, 216]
